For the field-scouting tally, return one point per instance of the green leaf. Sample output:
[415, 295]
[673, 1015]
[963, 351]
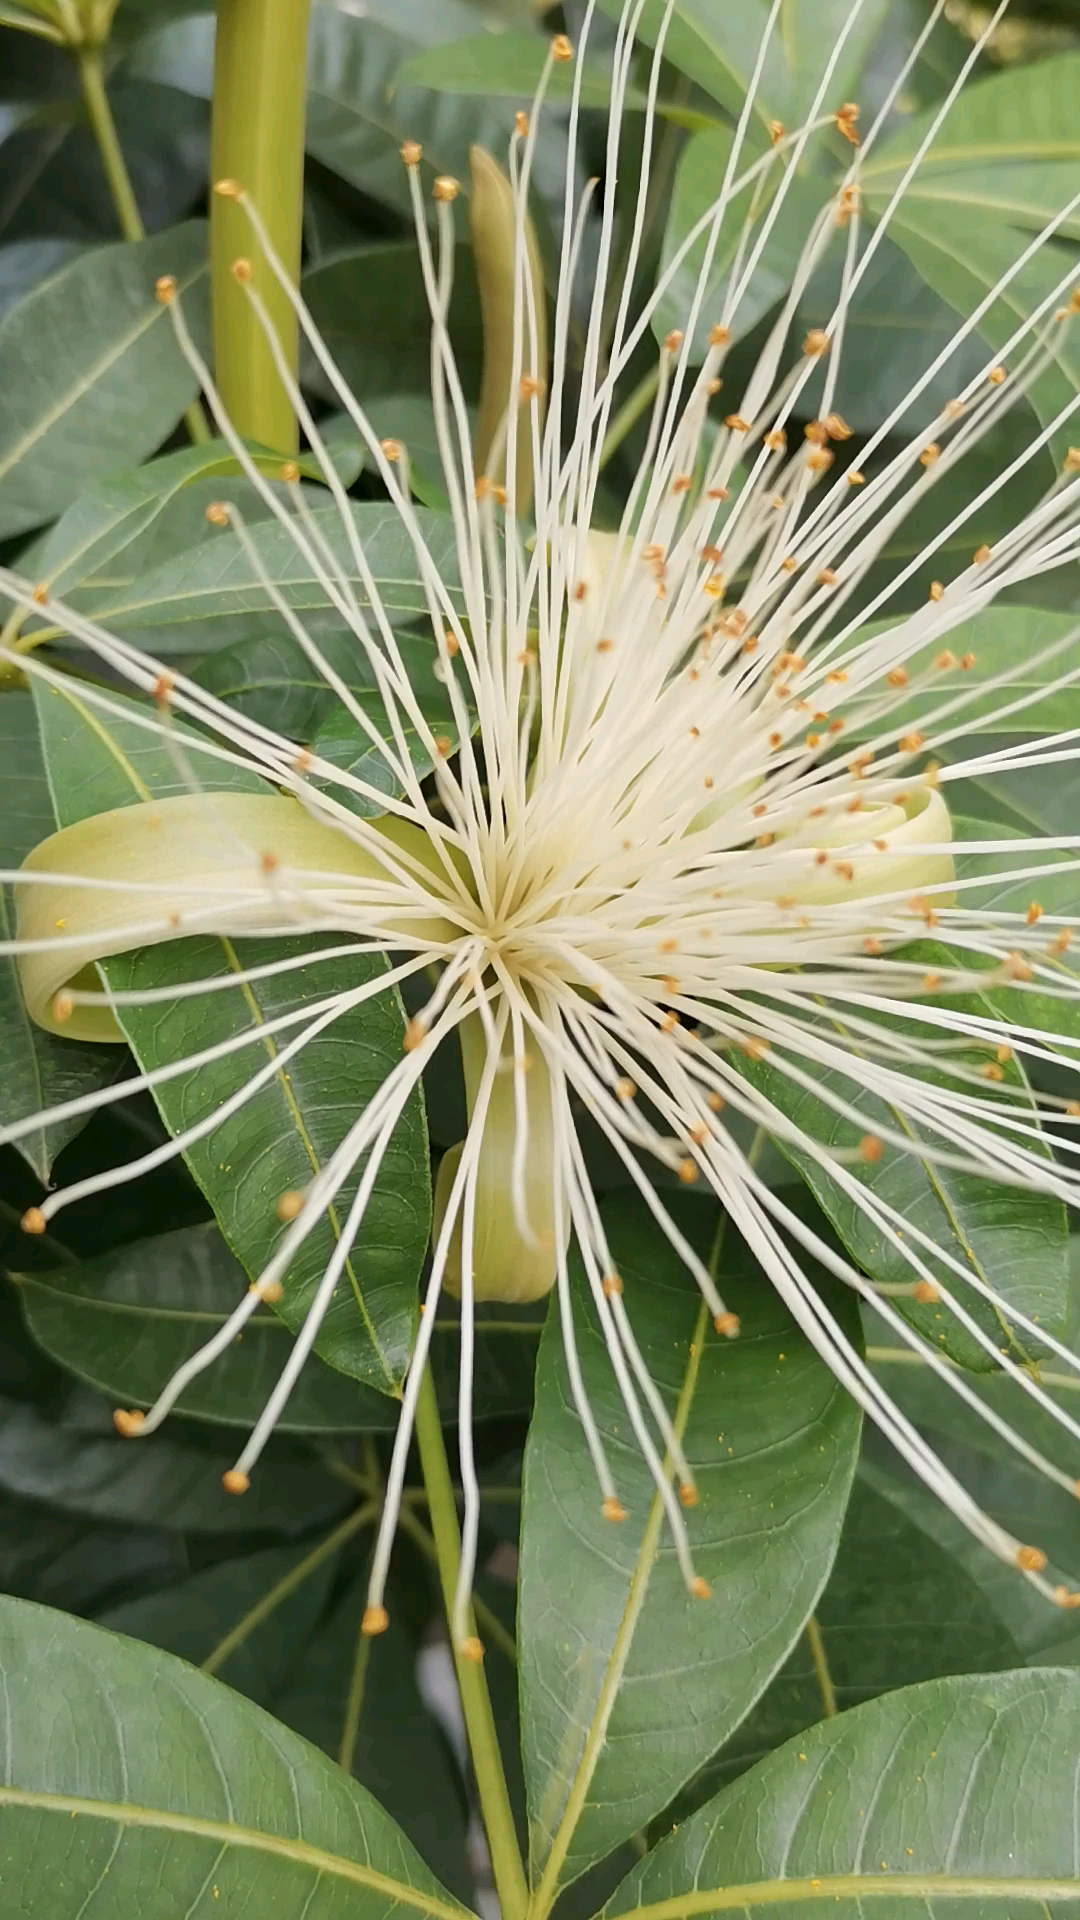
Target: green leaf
[701, 171]
[130, 523]
[717, 48]
[93, 375]
[25, 263]
[629, 1685]
[167, 1782]
[939, 1799]
[212, 597]
[37, 1071]
[79, 1463]
[125, 1321]
[509, 65]
[358, 116]
[1015, 1240]
[1006, 153]
[963, 261]
[897, 1610]
[285, 1133]
[370, 306]
[196, 1618]
[272, 680]
[1005, 641]
[895, 328]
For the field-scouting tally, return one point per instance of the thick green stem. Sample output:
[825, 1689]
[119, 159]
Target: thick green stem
[475, 1700]
[103, 128]
[260, 70]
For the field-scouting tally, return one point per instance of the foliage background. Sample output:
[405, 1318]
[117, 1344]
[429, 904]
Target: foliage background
[633, 1709]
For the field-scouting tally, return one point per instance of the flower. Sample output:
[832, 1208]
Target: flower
[678, 863]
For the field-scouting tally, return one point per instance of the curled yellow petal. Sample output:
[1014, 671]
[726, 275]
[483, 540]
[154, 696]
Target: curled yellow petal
[191, 863]
[507, 1263]
[895, 849]
[494, 224]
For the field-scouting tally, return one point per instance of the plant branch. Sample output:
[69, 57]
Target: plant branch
[475, 1699]
[257, 140]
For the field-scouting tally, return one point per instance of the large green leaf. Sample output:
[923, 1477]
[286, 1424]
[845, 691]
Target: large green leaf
[130, 1779]
[952, 1797]
[1007, 151]
[370, 306]
[307, 1663]
[717, 48]
[132, 522]
[78, 1462]
[701, 171]
[1005, 642]
[964, 261]
[865, 1644]
[358, 115]
[628, 1684]
[37, 1071]
[125, 1321]
[1015, 1239]
[92, 375]
[279, 1139]
[211, 596]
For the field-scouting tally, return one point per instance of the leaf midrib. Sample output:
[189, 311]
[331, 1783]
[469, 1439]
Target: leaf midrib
[852, 1886]
[300, 1852]
[86, 382]
[624, 1639]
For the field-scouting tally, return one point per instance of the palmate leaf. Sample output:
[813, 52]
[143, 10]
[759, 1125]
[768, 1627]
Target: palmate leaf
[628, 1685]
[278, 1140]
[129, 1775]
[953, 1797]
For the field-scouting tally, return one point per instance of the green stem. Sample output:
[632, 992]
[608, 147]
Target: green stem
[260, 69]
[821, 1667]
[630, 413]
[295, 1578]
[475, 1699]
[354, 1703]
[103, 127]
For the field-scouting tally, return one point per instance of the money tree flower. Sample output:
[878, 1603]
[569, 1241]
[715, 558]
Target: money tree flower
[686, 856]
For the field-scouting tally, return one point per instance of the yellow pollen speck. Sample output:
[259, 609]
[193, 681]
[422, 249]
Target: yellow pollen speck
[521, 123]
[816, 342]
[375, 1620]
[234, 1481]
[981, 555]
[1034, 913]
[128, 1423]
[688, 1494]
[165, 289]
[716, 1102]
[446, 188]
[673, 341]
[562, 48]
[930, 454]
[898, 677]
[1030, 1559]
[472, 1649]
[243, 271]
[937, 591]
[926, 1293]
[613, 1509]
[290, 1203]
[995, 376]
[967, 661]
[727, 1324]
[854, 478]
[412, 153]
[700, 1588]
[871, 1148]
[687, 1171]
[33, 1220]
